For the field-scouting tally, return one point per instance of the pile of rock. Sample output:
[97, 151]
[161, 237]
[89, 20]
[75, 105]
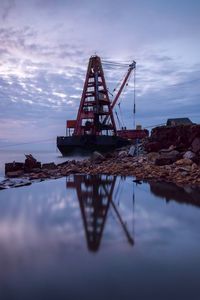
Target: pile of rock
[174, 143]
[16, 169]
[30, 166]
[178, 163]
[181, 136]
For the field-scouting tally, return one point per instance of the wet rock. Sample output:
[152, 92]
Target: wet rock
[196, 159]
[63, 164]
[23, 184]
[35, 176]
[97, 157]
[2, 187]
[169, 153]
[142, 167]
[14, 166]
[189, 155]
[162, 161]
[36, 170]
[184, 161]
[194, 167]
[49, 166]
[141, 159]
[31, 163]
[185, 169]
[12, 183]
[15, 174]
[196, 145]
[122, 154]
[181, 137]
[172, 147]
[73, 169]
[153, 146]
[152, 156]
[167, 157]
[132, 151]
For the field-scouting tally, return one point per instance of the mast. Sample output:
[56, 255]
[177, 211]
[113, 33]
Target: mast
[95, 104]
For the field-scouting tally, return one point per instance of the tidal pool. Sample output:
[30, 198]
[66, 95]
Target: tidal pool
[99, 237]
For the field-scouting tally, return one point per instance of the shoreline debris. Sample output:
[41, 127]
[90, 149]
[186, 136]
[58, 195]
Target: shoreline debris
[176, 160]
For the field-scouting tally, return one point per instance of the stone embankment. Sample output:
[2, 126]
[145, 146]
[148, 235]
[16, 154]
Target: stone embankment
[171, 154]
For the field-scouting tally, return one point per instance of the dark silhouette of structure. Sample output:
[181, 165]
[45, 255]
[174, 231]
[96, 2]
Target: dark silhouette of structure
[95, 194]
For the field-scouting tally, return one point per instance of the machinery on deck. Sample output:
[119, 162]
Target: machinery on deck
[95, 128]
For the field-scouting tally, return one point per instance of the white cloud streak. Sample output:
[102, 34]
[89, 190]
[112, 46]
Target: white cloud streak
[45, 46]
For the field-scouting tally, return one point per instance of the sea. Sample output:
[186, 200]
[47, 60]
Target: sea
[44, 156]
[98, 237]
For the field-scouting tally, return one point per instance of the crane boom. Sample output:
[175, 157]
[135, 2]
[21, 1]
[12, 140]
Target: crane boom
[131, 67]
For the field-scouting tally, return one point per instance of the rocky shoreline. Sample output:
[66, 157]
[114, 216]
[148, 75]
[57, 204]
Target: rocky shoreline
[182, 172]
[179, 163]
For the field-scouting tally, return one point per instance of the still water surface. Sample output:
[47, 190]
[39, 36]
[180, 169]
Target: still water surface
[99, 237]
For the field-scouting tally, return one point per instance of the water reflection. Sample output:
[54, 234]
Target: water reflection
[44, 229]
[172, 192]
[95, 196]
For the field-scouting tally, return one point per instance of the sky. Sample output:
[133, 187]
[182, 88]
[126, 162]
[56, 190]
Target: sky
[45, 46]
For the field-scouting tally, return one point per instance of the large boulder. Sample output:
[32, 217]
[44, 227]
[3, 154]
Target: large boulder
[162, 161]
[167, 157]
[189, 154]
[49, 166]
[196, 145]
[153, 146]
[13, 167]
[132, 151]
[182, 137]
[170, 154]
[152, 156]
[122, 153]
[184, 162]
[14, 174]
[31, 163]
[97, 157]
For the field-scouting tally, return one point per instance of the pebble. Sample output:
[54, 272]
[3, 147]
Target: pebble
[183, 171]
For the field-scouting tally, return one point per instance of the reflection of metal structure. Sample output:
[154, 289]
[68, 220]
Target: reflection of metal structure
[95, 197]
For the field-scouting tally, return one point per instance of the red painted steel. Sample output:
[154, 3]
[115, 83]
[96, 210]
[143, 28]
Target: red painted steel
[71, 123]
[131, 67]
[95, 105]
[95, 114]
[133, 134]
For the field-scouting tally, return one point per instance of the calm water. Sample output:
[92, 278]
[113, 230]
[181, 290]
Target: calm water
[100, 237]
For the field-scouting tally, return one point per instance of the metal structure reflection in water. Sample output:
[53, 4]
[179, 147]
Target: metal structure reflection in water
[95, 196]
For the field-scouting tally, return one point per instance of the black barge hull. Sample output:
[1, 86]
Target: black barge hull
[89, 143]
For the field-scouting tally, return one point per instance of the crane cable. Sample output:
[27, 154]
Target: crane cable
[118, 84]
[111, 65]
[118, 120]
[134, 97]
[121, 99]
[121, 115]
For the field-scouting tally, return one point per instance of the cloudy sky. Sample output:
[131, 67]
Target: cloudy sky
[45, 46]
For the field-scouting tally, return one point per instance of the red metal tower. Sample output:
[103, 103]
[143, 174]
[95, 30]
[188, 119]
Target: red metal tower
[95, 105]
[95, 129]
